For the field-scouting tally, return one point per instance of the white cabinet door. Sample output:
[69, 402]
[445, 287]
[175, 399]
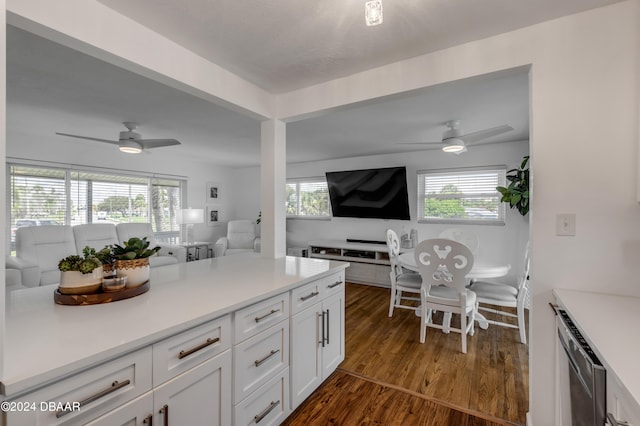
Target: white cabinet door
[333, 347]
[200, 396]
[138, 412]
[306, 372]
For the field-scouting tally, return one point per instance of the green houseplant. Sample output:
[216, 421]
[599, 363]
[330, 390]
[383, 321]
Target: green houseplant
[132, 260]
[80, 274]
[517, 193]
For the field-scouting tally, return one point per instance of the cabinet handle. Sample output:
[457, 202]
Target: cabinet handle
[273, 311]
[148, 420]
[266, 411]
[165, 413]
[186, 353]
[259, 362]
[336, 284]
[613, 422]
[114, 387]
[327, 339]
[321, 316]
[309, 296]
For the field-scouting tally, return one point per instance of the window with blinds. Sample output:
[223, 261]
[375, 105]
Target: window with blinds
[41, 195]
[461, 196]
[307, 198]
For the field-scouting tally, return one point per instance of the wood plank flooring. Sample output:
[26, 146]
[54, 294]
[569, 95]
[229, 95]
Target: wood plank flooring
[388, 377]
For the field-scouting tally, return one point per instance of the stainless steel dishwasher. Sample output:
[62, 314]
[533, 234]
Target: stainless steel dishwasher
[582, 377]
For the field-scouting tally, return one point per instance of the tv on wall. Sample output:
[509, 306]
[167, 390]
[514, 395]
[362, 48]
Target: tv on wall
[369, 193]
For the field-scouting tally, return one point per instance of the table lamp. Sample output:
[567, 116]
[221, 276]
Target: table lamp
[189, 217]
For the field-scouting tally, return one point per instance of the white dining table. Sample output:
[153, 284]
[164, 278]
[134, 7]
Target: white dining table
[479, 270]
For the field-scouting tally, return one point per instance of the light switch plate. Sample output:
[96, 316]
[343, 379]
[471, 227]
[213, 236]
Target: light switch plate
[566, 224]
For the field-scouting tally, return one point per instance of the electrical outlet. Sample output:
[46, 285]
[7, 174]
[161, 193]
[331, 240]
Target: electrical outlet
[566, 224]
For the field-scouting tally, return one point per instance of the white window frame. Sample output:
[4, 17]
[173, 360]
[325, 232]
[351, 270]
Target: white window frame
[69, 169]
[298, 182]
[500, 179]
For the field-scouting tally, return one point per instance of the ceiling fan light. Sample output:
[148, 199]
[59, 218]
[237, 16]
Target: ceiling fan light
[454, 145]
[373, 12]
[130, 147]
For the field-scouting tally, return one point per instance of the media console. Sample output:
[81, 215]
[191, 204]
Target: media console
[369, 261]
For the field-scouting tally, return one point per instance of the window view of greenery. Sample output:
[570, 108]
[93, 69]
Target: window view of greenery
[461, 196]
[51, 196]
[307, 198]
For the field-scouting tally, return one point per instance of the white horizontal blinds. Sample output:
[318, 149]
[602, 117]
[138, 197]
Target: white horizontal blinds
[307, 197]
[104, 197]
[461, 195]
[292, 198]
[66, 196]
[37, 193]
[165, 202]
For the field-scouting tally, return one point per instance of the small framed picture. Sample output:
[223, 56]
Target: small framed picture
[213, 192]
[213, 215]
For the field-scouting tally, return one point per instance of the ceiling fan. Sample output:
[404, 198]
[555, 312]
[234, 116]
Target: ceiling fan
[454, 139]
[130, 142]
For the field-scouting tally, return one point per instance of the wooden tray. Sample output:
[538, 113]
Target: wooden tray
[99, 297]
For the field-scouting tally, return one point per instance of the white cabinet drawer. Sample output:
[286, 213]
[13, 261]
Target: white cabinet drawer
[185, 350]
[260, 316]
[332, 284]
[305, 296]
[94, 392]
[268, 405]
[259, 358]
[136, 412]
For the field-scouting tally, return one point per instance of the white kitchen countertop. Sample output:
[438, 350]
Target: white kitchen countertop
[45, 341]
[610, 324]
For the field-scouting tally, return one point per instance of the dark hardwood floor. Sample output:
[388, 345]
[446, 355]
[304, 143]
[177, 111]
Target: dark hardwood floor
[388, 377]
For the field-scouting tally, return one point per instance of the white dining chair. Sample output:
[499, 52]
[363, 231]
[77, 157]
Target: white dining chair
[505, 295]
[443, 266]
[402, 281]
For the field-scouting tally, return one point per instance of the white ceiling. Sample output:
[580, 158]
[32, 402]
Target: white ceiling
[279, 46]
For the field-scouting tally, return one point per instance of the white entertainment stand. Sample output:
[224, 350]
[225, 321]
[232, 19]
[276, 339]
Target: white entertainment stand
[369, 262]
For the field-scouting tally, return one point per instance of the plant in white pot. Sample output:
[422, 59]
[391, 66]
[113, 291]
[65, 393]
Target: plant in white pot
[80, 274]
[132, 260]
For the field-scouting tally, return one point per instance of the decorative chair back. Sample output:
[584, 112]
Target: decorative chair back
[443, 262]
[393, 245]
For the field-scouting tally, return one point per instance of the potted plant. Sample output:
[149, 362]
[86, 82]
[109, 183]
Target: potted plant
[80, 274]
[132, 260]
[517, 193]
[106, 257]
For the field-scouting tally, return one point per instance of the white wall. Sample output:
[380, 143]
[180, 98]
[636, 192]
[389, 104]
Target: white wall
[506, 242]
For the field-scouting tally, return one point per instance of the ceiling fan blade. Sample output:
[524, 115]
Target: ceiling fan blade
[486, 133]
[89, 138]
[156, 143]
[419, 143]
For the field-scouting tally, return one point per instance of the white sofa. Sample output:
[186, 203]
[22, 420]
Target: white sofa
[40, 248]
[241, 238]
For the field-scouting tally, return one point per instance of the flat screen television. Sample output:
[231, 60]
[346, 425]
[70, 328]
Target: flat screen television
[369, 193]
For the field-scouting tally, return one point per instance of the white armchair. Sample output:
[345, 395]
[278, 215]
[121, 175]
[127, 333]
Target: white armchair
[241, 238]
[38, 251]
[169, 253]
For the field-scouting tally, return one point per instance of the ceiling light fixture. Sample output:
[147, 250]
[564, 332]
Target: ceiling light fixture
[454, 145]
[130, 147]
[373, 12]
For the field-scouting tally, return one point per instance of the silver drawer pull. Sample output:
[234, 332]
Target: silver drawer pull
[266, 411]
[336, 284]
[309, 296]
[273, 311]
[613, 422]
[259, 362]
[114, 387]
[210, 341]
